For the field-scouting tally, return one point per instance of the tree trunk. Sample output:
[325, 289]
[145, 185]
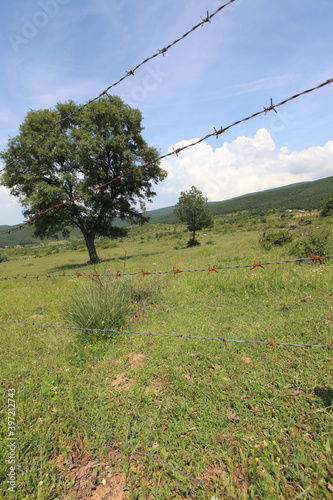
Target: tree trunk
[193, 238]
[90, 242]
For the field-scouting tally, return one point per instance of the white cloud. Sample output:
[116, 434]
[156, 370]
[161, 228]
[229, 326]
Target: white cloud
[243, 166]
[10, 210]
[263, 84]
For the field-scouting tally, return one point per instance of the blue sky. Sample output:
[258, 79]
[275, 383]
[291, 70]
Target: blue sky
[254, 50]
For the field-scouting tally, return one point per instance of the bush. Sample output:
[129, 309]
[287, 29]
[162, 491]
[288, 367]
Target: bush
[75, 245]
[305, 222]
[279, 238]
[318, 243]
[3, 257]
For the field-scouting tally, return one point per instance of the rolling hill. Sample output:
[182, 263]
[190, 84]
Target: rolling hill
[304, 195]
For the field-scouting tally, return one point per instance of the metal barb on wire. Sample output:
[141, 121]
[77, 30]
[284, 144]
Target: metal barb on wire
[162, 51]
[313, 258]
[206, 20]
[218, 132]
[270, 108]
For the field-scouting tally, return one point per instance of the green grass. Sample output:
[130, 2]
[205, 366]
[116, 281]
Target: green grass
[250, 419]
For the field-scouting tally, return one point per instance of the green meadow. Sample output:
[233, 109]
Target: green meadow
[252, 420]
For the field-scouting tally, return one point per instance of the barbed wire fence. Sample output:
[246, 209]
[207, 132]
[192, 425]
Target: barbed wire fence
[216, 133]
[150, 334]
[313, 259]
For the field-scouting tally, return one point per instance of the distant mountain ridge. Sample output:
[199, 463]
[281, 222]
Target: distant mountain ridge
[302, 195]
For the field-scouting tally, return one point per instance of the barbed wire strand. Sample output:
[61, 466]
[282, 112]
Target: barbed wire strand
[314, 258]
[123, 442]
[150, 334]
[129, 73]
[216, 133]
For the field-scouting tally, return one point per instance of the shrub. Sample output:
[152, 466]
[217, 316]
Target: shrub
[305, 222]
[318, 243]
[3, 257]
[278, 238]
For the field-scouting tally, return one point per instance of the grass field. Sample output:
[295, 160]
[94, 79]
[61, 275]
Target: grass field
[253, 420]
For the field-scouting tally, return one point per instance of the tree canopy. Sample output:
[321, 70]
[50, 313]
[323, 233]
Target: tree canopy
[192, 209]
[94, 145]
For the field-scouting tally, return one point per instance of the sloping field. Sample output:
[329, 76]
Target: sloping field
[131, 416]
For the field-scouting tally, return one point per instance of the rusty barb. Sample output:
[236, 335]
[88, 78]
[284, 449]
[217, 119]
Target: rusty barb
[314, 259]
[317, 258]
[257, 264]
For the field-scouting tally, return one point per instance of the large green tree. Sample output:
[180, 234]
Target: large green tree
[83, 151]
[192, 209]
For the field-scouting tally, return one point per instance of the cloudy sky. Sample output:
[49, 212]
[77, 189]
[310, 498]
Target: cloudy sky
[252, 51]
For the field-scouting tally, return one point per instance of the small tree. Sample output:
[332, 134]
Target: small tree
[192, 209]
[327, 208]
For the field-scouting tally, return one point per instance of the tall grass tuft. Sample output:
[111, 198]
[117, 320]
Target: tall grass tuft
[99, 303]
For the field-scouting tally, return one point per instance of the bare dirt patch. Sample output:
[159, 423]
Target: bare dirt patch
[108, 482]
[121, 381]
